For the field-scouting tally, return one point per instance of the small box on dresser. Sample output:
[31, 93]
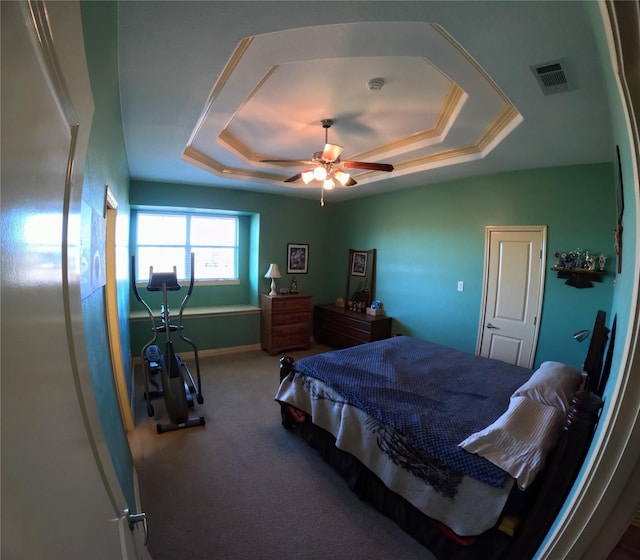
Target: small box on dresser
[285, 322]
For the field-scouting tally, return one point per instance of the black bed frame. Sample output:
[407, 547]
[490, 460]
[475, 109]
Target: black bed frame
[552, 485]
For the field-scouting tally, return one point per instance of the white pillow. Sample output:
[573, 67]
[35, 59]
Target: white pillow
[552, 384]
[518, 442]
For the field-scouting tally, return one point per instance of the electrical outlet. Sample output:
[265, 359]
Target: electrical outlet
[460, 286]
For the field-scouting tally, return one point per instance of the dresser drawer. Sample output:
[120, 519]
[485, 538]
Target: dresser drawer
[337, 327]
[290, 336]
[286, 330]
[290, 318]
[290, 304]
[342, 323]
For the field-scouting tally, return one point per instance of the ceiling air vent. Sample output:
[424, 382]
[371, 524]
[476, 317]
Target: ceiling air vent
[551, 78]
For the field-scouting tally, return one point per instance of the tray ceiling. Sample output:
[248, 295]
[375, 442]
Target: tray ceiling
[208, 89]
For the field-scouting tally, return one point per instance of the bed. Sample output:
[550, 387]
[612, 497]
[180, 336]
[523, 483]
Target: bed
[472, 457]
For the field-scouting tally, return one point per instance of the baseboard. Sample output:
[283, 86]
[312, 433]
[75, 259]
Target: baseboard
[209, 352]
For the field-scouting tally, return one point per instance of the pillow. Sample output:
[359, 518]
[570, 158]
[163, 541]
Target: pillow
[552, 384]
[518, 442]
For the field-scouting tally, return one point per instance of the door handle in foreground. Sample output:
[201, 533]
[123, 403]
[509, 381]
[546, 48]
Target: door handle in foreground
[133, 518]
[490, 326]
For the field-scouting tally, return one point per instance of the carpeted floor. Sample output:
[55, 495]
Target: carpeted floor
[243, 488]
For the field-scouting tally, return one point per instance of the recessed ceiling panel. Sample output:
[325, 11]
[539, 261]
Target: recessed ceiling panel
[367, 118]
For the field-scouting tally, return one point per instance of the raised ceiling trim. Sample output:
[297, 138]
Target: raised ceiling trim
[473, 63]
[196, 157]
[218, 86]
[506, 120]
[450, 108]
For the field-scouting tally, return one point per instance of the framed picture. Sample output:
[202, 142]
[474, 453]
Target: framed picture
[297, 258]
[359, 264]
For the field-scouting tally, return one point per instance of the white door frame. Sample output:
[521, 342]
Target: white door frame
[489, 230]
[111, 304]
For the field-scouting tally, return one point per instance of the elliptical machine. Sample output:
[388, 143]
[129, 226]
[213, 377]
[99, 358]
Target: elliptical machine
[169, 374]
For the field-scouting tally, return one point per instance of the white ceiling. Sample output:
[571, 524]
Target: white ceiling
[208, 89]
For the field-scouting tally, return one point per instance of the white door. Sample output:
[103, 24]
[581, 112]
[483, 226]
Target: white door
[512, 296]
[60, 494]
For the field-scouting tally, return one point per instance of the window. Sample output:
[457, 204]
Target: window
[165, 240]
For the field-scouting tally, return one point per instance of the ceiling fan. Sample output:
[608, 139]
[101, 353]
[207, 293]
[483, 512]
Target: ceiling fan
[329, 168]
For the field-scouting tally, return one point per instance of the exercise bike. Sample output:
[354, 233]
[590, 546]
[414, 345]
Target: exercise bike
[166, 371]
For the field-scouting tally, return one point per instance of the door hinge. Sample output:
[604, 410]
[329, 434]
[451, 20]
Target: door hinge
[535, 320]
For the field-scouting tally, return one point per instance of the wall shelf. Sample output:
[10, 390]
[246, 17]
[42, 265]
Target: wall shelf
[579, 277]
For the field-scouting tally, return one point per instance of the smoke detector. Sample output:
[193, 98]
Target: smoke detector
[375, 84]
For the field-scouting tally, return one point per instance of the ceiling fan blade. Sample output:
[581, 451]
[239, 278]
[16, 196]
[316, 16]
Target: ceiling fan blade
[292, 161]
[294, 178]
[367, 165]
[331, 152]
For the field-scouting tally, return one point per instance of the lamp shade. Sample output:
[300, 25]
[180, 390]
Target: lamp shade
[273, 273]
[342, 177]
[307, 176]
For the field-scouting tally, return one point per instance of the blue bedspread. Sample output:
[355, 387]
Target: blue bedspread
[436, 396]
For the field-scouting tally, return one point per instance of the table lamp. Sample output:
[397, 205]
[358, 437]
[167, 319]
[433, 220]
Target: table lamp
[273, 273]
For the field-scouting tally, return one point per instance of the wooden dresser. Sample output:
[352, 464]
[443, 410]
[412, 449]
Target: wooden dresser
[341, 328]
[285, 322]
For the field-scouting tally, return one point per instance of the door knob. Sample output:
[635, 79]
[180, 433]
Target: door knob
[490, 326]
[133, 518]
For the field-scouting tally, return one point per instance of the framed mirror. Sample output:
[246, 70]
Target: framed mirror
[361, 277]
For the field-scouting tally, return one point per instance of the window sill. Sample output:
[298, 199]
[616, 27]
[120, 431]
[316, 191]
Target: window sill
[142, 284]
[210, 311]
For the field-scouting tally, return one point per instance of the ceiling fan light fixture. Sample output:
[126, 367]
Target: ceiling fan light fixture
[328, 165]
[307, 176]
[341, 177]
[320, 173]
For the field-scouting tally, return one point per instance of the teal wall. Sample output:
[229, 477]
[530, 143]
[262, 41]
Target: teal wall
[270, 223]
[622, 305]
[214, 332]
[624, 293]
[107, 165]
[429, 238]
[275, 221]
